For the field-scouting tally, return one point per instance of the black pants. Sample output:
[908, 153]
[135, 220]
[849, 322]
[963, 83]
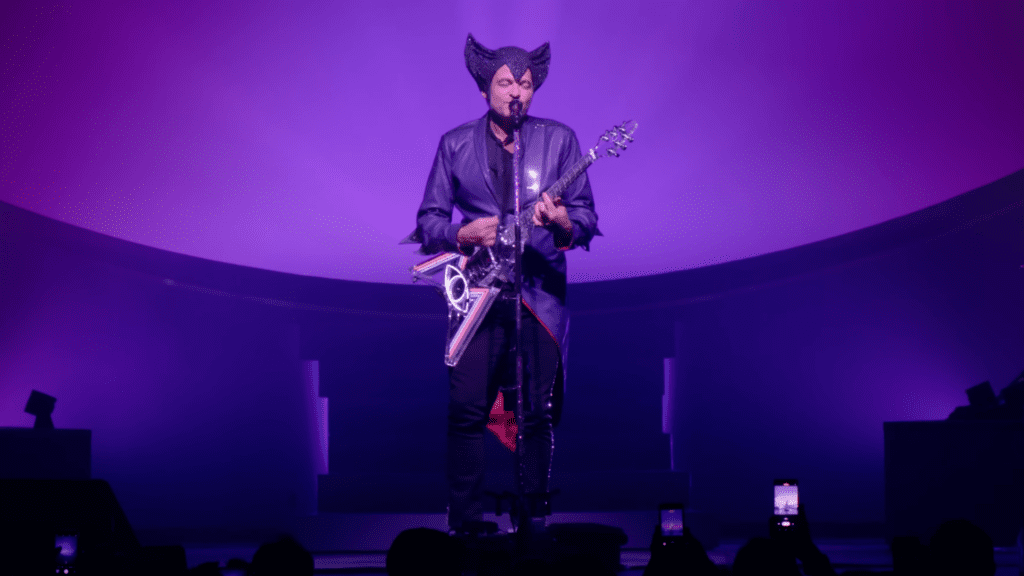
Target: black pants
[487, 365]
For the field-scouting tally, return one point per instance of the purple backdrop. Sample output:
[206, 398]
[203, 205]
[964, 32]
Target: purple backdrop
[297, 136]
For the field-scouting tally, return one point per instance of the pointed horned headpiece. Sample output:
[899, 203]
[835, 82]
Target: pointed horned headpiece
[483, 62]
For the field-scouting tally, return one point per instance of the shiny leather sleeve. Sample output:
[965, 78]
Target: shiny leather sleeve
[578, 198]
[436, 230]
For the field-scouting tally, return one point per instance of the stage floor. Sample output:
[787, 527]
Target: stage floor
[356, 543]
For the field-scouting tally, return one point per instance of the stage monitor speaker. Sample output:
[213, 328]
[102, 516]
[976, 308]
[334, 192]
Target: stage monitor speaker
[942, 470]
[39, 453]
[81, 515]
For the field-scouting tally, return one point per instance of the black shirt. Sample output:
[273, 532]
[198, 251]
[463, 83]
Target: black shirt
[499, 161]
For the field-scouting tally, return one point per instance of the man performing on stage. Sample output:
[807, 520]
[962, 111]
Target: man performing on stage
[473, 172]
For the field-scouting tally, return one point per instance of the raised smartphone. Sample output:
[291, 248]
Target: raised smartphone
[671, 515]
[68, 554]
[787, 498]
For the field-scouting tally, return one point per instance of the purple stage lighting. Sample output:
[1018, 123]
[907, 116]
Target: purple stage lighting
[297, 136]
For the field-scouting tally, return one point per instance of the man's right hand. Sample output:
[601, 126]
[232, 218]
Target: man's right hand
[480, 232]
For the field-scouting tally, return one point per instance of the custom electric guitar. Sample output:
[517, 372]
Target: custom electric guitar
[471, 283]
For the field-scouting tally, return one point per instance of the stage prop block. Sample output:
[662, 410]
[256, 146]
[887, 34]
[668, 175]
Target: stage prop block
[940, 470]
[42, 453]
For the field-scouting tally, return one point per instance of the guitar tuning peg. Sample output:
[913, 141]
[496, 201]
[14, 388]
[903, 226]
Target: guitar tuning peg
[612, 152]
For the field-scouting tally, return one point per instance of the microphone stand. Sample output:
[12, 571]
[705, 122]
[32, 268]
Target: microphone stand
[523, 508]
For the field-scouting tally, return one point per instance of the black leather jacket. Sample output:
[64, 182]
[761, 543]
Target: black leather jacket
[460, 178]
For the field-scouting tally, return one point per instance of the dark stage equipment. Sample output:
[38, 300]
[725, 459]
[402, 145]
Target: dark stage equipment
[982, 396]
[968, 466]
[1011, 398]
[41, 406]
[50, 454]
[42, 451]
[942, 470]
[82, 516]
[985, 405]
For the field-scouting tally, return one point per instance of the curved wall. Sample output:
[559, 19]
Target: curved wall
[190, 371]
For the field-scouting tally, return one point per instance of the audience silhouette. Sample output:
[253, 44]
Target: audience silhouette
[960, 548]
[764, 557]
[422, 551]
[285, 557]
[678, 555]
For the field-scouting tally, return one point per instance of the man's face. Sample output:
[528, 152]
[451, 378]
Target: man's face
[505, 88]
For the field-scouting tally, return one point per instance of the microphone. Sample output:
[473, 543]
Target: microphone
[515, 108]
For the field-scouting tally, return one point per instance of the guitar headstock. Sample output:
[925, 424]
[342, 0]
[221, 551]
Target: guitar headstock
[615, 140]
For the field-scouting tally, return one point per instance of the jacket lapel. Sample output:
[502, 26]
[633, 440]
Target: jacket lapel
[533, 162]
[532, 165]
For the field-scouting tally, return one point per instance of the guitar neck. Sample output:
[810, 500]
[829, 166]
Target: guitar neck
[556, 189]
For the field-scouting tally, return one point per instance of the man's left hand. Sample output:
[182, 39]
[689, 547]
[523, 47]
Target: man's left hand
[547, 211]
